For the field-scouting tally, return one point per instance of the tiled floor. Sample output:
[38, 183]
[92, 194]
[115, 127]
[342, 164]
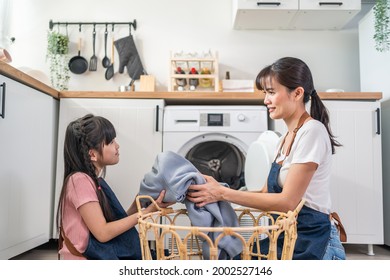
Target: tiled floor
[354, 252]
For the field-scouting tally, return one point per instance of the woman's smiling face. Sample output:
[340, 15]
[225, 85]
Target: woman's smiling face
[278, 99]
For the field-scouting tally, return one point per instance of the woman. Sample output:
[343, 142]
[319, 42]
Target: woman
[302, 165]
[90, 219]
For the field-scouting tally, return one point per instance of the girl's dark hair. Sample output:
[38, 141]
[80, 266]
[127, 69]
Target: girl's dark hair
[83, 134]
[292, 73]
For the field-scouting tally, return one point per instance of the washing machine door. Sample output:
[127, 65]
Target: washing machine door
[257, 166]
[259, 159]
[222, 160]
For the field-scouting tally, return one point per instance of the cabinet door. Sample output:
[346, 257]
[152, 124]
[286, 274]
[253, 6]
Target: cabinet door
[357, 169]
[356, 183]
[139, 134]
[26, 168]
[260, 14]
[325, 14]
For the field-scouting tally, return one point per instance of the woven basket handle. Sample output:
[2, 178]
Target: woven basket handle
[139, 207]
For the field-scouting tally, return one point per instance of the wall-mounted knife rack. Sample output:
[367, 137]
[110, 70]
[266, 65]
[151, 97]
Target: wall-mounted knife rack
[130, 24]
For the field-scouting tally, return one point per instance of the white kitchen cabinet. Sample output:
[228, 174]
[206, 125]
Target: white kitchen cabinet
[294, 14]
[332, 15]
[139, 133]
[28, 126]
[252, 14]
[356, 186]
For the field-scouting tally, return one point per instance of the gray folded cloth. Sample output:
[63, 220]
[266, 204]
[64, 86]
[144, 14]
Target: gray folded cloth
[174, 173]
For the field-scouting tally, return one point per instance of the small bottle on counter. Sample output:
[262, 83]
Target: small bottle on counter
[181, 82]
[192, 81]
[227, 77]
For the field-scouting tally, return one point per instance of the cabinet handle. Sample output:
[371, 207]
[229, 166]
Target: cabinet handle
[378, 121]
[157, 117]
[268, 3]
[331, 3]
[3, 101]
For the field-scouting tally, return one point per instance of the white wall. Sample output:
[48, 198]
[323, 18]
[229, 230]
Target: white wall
[374, 65]
[178, 25]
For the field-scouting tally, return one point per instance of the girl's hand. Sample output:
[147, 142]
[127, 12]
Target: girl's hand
[160, 203]
[160, 199]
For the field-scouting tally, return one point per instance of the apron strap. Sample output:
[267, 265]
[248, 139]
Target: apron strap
[301, 121]
[68, 244]
[339, 225]
[62, 238]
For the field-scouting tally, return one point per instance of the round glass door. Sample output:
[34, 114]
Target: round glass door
[221, 160]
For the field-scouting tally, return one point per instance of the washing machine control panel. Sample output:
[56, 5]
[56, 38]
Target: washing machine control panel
[214, 119]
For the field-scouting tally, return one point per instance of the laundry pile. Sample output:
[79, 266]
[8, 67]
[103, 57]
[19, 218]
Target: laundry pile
[175, 174]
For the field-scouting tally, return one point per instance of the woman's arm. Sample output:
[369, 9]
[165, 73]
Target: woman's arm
[297, 181]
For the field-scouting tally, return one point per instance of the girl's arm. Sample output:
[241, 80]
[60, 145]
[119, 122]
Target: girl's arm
[104, 231]
[133, 207]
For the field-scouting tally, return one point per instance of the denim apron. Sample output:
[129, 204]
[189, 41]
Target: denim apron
[125, 246]
[313, 227]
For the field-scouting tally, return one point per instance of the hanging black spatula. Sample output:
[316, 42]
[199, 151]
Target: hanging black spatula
[93, 60]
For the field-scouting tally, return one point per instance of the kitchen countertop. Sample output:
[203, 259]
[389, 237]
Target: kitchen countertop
[174, 98]
[17, 75]
[212, 98]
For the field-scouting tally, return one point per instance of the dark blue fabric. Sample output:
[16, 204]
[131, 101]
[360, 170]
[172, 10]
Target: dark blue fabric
[125, 246]
[313, 227]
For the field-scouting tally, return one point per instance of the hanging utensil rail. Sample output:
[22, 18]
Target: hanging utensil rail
[131, 24]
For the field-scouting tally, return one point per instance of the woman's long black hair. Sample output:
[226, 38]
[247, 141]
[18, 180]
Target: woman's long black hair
[292, 73]
[83, 134]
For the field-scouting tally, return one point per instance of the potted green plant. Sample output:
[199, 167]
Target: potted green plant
[382, 25]
[57, 53]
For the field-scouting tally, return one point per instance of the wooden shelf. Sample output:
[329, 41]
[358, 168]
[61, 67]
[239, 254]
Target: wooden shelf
[186, 63]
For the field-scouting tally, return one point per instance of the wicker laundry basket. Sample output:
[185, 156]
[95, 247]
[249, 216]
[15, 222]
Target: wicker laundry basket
[184, 242]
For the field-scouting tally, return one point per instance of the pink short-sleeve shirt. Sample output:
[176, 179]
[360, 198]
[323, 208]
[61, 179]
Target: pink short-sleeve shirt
[80, 190]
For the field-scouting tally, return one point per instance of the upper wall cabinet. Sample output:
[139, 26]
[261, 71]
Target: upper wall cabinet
[293, 14]
[252, 14]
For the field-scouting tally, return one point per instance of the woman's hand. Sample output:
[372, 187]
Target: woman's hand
[207, 193]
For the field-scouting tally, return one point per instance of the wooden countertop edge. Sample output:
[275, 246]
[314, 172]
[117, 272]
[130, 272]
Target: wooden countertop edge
[226, 96]
[17, 75]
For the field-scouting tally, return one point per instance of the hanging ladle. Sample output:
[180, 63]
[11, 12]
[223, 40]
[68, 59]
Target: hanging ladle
[110, 69]
[106, 61]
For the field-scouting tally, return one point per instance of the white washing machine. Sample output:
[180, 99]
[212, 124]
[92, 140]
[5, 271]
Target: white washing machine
[214, 138]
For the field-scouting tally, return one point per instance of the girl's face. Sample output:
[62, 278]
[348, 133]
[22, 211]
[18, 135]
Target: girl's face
[109, 155]
[278, 100]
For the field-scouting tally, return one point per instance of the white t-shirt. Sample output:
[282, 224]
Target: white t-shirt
[312, 144]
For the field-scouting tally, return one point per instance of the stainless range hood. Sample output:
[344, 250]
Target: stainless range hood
[294, 14]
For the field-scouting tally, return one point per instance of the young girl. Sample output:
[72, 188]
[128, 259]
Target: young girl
[302, 166]
[90, 219]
